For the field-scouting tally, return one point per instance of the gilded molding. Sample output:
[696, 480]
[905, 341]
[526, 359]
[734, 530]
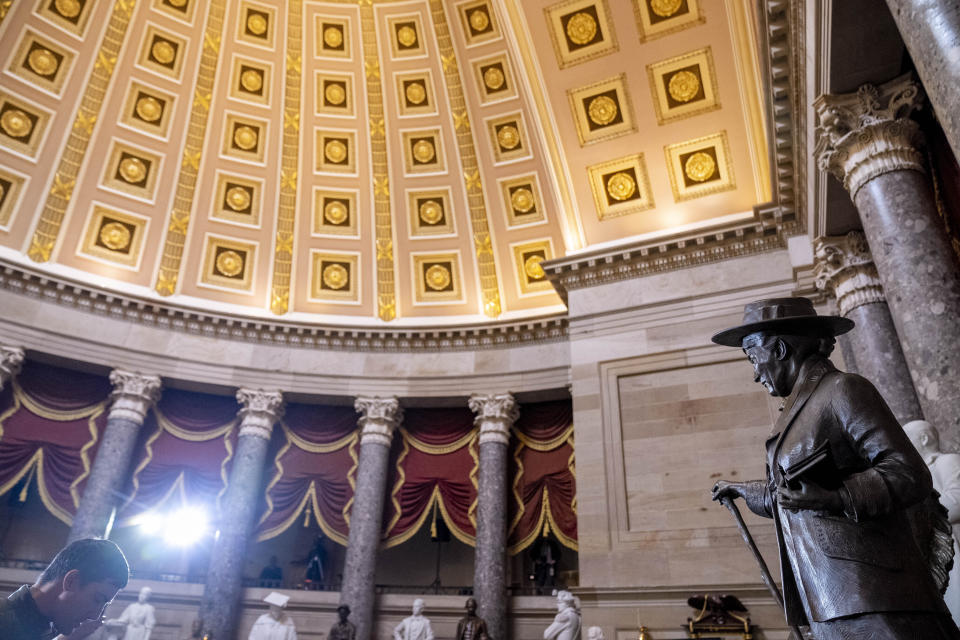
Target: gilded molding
[379, 417]
[169, 273]
[287, 201]
[844, 266]
[496, 413]
[11, 359]
[51, 218]
[383, 215]
[486, 266]
[133, 395]
[866, 134]
[259, 412]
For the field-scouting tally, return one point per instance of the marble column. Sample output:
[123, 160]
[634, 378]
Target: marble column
[845, 268]
[931, 31]
[11, 359]
[867, 141]
[379, 418]
[133, 395]
[496, 413]
[259, 412]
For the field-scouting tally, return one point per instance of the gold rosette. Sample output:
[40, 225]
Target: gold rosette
[238, 198]
[257, 24]
[508, 137]
[335, 150]
[493, 78]
[133, 170]
[416, 93]
[163, 52]
[437, 277]
[683, 86]
[115, 236]
[533, 268]
[16, 123]
[335, 93]
[332, 37]
[424, 151]
[251, 80]
[581, 28]
[431, 212]
[522, 200]
[621, 186]
[602, 110]
[335, 276]
[335, 212]
[665, 8]
[43, 62]
[246, 137]
[229, 263]
[407, 36]
[700, 167]
[149, 108]
[68, 8]
[479, 20]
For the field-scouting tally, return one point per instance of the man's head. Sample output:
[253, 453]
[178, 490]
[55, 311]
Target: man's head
[776, 359]
[344, 612]
[924, 436]
[144, 595]
[80, 582]
[471, 606]
[418, 606]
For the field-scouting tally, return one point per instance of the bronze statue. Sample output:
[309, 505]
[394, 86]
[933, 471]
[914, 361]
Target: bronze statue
[344, 629]
[841, 474]
[471, 627]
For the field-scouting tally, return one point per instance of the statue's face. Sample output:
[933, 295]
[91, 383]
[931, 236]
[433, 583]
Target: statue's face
[343, 613]
[144, 595]
[417, 607]
[471, 606]
[276, 612]
[770, 365]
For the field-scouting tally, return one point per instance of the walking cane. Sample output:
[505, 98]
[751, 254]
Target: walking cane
[764, 571]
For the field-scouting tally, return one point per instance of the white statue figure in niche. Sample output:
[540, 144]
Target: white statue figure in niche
[594, 633]
[945, 469]
[566, 625]
[275, 624]
[415, 627]
[137, 619]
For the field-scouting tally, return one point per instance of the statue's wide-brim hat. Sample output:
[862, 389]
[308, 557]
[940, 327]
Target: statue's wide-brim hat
[784, 316]
[277, 599]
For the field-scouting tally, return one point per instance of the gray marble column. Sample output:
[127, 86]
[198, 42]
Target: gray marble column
[259, 412]
[931, 31]
[867, 140]
[496, 413]
[11, 359]
[845, 268]
[133, 395]
[379, 418]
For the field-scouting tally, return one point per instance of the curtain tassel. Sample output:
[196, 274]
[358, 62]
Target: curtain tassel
[433, 522]
[306, 516]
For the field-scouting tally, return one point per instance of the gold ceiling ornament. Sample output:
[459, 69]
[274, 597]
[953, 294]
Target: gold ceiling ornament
[416, 93]
[407, 36]
[62, 188]
[246, 137]
[384, 249]
[700, 166]
[39, 249]
[431, 212]
[581, 28]
[68, 8]
[602, 110]
[479, 20]
[332, 37]
[533, 268]
[424, 151]
[284, 243]
[163, 51]
[493, 78]
[229, 263]
[149, 108]
[179, 224]
[437, 277]
[335, 212]
[335, 93]
[105, 62]
[178, 3]
[621, 186]
[461, 119]
[115, 236]
[257, 24]
[336, 276]
[191, 159]
[43, 62]
[522, 200]
[508, 136]
[335, 150]
[665, 8]
[483, 244]
[133, 170]
[3, 191]
[84, 122]
[281, 301]
[16, 123]
[238, 198]
[683, 86]
[251, 80]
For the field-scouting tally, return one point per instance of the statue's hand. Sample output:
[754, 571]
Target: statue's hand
[809, 496]
[731, 490]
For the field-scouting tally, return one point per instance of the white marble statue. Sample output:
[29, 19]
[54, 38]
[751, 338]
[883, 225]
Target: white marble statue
[566, 624]
[594, 633]
[275, 624]
[945, 469]
[415, 627]
[137, 619]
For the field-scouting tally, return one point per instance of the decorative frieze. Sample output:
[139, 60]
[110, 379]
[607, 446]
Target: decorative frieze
[11, 359]
[259, 411]
[866, 134]
[133, 395]
[496, 413]
[843, 266]
[379, 417]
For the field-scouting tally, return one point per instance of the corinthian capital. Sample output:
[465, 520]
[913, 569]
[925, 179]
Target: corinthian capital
[11, 359]
[496, 413]
[133, 395]
[843, 266]
[868, 133]
[259, 411]
[378, 418]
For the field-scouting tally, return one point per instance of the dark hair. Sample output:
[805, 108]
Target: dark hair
[96, 560]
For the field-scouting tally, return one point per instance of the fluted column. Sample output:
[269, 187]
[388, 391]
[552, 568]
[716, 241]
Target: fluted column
[379, 418]
[931, 31]
[845, 268]
[11, 359]
[496, 413]
[133, 395]
[259, 412]
[868, 142]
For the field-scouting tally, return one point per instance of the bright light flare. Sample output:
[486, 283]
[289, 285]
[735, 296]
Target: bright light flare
[181, 528]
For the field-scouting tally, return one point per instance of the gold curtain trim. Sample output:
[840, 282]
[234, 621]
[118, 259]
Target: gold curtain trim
[435, 498]
[401, 477]
[570, 543]
[9, 412]
[318, 448]
[85, 458]
[545, 445]
[352, 479]
[53, 414]
[516, 489]
[201, 436]
[438, 450]
[572, 466]
[475, 454]
[273, 482]
[52, 507]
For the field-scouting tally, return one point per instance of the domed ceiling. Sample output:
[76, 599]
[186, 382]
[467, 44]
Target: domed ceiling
[370, 161]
